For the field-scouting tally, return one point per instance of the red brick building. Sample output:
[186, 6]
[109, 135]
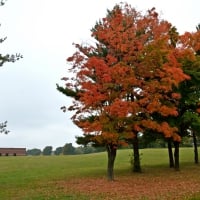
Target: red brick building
[12, 151]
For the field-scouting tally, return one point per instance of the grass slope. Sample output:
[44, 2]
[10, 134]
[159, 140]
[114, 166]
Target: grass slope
[84, 177]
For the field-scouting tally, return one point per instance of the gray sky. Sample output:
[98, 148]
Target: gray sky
[43, 32]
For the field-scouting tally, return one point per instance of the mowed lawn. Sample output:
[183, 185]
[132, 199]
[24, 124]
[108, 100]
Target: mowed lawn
[84, 177]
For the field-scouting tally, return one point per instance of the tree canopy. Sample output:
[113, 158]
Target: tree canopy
[127, 82]
[47, 150]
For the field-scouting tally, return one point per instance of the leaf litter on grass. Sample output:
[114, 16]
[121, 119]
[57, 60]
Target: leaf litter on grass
[167, 186]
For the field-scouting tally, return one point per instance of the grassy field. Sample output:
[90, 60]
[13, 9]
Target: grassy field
[84, 177]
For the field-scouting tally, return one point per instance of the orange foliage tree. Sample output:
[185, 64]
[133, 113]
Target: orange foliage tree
[189, 112]
[126, 78]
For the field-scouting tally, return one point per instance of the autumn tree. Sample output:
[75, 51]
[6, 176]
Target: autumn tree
[187, 120]
[189, 107]
[124, 83]
[149, 50]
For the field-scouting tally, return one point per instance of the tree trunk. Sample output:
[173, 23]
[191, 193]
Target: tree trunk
[136, 162]
[170, 153]
[176, 155]
[196, 156]
[111, 150]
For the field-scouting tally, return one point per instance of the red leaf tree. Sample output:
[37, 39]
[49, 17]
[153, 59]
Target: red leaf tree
[124, 80]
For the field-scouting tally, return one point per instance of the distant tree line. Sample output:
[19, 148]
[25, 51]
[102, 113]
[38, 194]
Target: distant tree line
[67, 149]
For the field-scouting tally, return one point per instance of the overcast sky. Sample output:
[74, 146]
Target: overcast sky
[43, 32]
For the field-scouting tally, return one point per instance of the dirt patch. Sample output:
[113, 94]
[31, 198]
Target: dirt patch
[173, 186]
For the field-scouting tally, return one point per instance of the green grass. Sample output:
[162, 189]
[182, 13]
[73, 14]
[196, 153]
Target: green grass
[33, 177]
[21, 176]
